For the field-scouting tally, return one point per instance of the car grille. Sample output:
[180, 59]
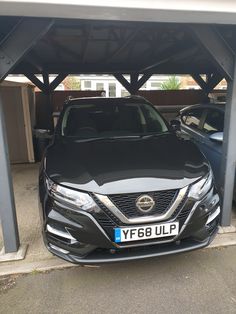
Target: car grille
[106, 222]
[109, 221]
[126, 203]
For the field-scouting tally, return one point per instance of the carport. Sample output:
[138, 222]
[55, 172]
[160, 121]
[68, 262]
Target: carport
[136, 38]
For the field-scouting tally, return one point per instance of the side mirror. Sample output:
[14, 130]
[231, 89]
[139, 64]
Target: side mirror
[217, 137]
[48, 134]
[175, 124]
[41, 133]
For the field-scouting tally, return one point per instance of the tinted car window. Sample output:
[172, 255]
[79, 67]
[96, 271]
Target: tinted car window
[214, 122]
[192, 117]
[101, 120]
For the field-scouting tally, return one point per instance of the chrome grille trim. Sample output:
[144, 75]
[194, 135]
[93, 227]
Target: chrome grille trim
[145, 219]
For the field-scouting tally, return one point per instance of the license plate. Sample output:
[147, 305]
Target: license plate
[146, 232]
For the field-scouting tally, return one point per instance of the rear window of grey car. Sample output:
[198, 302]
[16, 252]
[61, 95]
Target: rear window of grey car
[109, 119]
[214, 121]
[192, 117]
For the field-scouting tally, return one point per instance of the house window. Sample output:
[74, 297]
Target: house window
[124, 93]
[214, 122]
[112, 89]
[155, 85]
[87, 84]
[99, 86]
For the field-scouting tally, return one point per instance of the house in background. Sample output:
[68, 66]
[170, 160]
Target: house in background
[113, 88]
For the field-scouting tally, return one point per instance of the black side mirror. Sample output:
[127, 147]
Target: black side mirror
[175, 124]
[42, 133]
[48, 134]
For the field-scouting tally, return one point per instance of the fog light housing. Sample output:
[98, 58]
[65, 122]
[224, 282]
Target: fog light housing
[213, 215]
[58, 249]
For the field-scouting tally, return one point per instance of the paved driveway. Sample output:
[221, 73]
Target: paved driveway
[198, 282]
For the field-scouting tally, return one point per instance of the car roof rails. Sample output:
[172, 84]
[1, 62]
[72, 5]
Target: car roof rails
[136, 97]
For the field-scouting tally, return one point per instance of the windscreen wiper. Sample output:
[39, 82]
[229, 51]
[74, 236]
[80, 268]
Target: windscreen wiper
[153, 134]
[91, 139]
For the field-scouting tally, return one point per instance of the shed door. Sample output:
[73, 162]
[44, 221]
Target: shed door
[15, 125]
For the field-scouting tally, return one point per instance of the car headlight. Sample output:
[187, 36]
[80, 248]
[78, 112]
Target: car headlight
[79, 199]
[200, 188]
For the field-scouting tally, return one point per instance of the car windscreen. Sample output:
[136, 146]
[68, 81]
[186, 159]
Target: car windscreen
[111, 120]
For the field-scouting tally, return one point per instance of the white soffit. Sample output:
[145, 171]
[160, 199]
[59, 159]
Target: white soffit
[188, 11]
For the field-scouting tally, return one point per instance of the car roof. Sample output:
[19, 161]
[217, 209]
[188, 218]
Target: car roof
[216, 106]
[106, 100]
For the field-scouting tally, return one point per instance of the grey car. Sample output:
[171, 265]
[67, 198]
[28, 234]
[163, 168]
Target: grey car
[204, 124]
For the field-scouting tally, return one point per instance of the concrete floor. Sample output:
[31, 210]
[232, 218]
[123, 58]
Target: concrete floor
[198, 282]
[25, 179]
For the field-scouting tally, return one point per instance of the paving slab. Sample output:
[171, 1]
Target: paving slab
[202, 281]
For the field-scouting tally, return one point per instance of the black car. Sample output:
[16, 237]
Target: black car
[118, 184]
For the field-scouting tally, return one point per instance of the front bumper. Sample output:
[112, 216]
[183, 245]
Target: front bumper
[87, 238]
[131, 254]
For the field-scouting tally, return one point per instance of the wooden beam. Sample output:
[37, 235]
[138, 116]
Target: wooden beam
[216, 47]
[211, 83]
[86, 43]
[134, 85]
[199, 80]
[143, 80]
[36, 81]
[20, 41]
[46, 87]
[124, 68]
[120, 78]
[46, 82]
[134, 82]
[171, 55]
[215, 79]
[60, 77]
